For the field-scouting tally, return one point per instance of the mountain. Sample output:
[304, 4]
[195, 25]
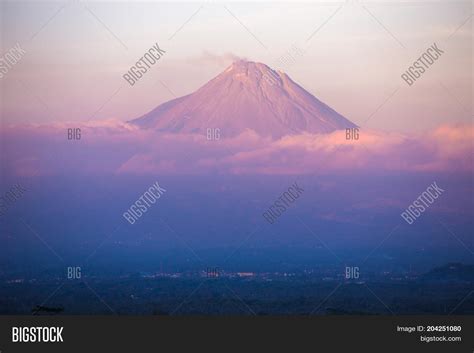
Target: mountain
[247, 95]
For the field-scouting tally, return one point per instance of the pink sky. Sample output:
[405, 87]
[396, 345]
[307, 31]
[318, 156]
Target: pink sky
[73, 67]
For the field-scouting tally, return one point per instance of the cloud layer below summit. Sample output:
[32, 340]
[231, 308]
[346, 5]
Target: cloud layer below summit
[110, 147]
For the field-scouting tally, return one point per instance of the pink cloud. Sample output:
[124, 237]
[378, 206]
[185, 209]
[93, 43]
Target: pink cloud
[116, 147]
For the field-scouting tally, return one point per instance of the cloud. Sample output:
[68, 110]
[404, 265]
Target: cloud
[113, 147]
[221, 60]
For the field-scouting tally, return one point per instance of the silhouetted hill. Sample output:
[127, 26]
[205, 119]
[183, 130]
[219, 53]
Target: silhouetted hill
[451, 272]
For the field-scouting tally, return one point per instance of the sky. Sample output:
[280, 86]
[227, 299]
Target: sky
[354, 54]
